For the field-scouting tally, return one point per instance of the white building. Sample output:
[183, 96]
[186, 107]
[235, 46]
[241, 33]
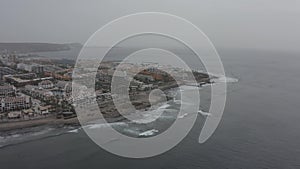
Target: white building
[47, 84]
[14, 103]
[7, 90]
[36, 92]
[36, 68]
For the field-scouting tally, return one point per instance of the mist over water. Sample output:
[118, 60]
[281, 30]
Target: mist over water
[259, 129]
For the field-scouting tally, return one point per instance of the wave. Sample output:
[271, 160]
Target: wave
[74, 131]
[164, 106]
[182, 116]
[17, 137]
[224, 79]
[204, 113]
[103, 125]
[148, 133]
[131, 131]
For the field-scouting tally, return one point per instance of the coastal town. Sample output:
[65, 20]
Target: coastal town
[37, 91]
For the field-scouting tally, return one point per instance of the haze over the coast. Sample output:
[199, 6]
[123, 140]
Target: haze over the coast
[255, 24]
[167, 97]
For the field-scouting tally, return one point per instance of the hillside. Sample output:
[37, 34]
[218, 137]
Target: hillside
[34, 47]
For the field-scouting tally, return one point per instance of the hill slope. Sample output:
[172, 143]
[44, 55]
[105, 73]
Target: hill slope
[33, 47]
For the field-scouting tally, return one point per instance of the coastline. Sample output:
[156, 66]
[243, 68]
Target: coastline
[11, 126]
[52, 120]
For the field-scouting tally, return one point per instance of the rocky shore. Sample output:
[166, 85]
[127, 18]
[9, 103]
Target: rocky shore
[108, 110]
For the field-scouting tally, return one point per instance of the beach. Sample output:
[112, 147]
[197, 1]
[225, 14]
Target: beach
[52, 120]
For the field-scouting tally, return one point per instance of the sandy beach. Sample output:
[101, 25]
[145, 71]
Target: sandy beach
[52, 120]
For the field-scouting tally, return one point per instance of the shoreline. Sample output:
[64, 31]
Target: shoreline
[52, 120]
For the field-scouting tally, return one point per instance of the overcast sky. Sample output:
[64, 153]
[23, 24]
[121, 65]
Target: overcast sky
[263, 24]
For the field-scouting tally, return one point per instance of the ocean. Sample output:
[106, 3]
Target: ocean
[259, 129]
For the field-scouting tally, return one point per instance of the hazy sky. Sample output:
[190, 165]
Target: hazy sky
[265, 24]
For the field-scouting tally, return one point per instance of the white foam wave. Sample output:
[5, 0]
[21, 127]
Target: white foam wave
[148, 133]
[131, 131]
[182, 116]
[102, 125]
[206, 84]
[146, 116]
[149, 116]
[45, 131]
[164, 106]
[204, 113]
[189, 87]
[74, 131]
[224, 79]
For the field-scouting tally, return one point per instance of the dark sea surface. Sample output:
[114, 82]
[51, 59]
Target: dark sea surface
[259, 130]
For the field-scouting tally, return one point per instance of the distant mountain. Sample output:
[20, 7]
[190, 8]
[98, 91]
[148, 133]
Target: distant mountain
[36, 47]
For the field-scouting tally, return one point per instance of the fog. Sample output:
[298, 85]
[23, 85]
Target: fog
[254, 24]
